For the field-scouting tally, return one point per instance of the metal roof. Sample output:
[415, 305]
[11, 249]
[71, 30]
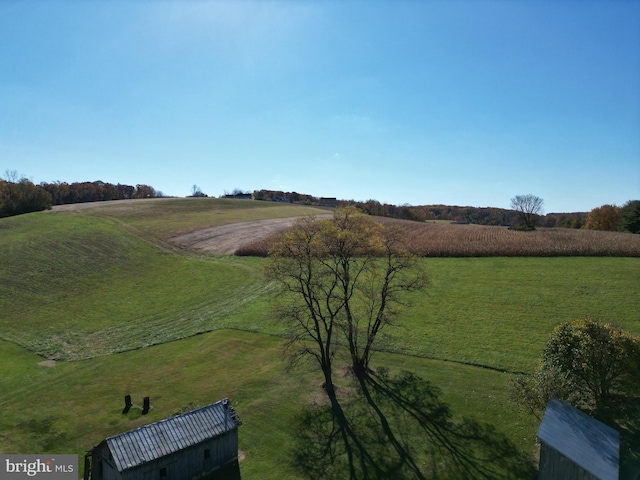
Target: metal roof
[584, 440]
[157, 440]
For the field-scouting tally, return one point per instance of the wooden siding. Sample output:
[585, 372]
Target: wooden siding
[554, 465]
[191, 462]
[102, 466]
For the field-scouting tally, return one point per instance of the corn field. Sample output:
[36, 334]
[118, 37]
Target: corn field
[454, 240]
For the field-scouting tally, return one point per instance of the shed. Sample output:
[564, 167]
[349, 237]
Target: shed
[574, 445]
[187, 446]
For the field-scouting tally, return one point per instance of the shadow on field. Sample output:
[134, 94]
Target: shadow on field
[398, 427]
[43, 432]
[228, 472]
[629, 428]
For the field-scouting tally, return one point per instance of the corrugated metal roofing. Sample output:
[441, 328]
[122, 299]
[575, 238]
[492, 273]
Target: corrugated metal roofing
[584, 440]
[157, 440]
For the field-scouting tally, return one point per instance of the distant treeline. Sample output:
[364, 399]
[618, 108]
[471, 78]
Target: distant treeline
[288, 197]
[475, 215]
[425, 213]
[20, 195]
[80, 192]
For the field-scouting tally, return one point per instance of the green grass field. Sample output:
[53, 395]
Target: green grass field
[82, 285]
[161, 218]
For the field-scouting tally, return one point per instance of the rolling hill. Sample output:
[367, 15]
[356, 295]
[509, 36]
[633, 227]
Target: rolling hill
[78, 285]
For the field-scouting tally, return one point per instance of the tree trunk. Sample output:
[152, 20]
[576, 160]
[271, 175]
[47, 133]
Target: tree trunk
[330, 389]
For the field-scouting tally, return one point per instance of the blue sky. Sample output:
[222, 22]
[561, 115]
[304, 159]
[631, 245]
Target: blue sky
[419, 102]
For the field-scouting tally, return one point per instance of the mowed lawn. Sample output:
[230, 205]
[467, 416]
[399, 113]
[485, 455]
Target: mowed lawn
[79, 286]
[74, 405]
[498, 312]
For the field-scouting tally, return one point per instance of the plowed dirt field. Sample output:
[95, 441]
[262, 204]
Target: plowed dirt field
[225, 239]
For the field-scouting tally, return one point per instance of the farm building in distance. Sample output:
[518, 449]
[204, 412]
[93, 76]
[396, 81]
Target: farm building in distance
[192, 445]
[577, 446]
[240, 196]
[328, 202]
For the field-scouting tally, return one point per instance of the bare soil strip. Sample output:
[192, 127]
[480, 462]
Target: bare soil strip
[226, 239]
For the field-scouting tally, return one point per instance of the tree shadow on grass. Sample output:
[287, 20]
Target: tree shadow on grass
[398, 427]
[629, 428]
[43, 432]
[228, 472]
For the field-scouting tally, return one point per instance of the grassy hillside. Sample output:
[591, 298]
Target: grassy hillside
[82, 283]
[161, 218]
[78, 283]
[76, 287]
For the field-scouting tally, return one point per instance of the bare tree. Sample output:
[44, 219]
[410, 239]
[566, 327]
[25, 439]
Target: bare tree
[342, 275]
[529, 208]
[372, 282]
[312, 308]
[197, 192]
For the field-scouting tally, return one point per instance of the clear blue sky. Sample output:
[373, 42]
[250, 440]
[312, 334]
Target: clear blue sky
[420, 102]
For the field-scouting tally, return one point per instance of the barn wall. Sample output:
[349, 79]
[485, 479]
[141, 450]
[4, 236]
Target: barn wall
[190, 462]
[102, 466]
[555, 466]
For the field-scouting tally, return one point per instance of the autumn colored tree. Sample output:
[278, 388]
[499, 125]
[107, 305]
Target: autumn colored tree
[20, 195]
[606, 217]
[144, 191]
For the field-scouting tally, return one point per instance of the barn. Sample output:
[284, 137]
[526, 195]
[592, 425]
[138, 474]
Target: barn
[574, 445]
[187, 446]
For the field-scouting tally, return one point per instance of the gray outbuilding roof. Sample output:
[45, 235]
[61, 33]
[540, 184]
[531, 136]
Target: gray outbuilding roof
[157, 440]
[587, 442]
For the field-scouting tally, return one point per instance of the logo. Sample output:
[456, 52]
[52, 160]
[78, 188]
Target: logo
[45, 467]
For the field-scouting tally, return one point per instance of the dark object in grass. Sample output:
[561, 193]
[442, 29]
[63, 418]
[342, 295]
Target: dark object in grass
[146, 405]
[127, 404]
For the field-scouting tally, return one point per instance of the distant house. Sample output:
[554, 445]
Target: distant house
[328, 202]
[186, 446]
[240, 196]
[574, 445]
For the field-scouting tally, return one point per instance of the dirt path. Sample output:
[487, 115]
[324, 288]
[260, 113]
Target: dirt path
[226, 239]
